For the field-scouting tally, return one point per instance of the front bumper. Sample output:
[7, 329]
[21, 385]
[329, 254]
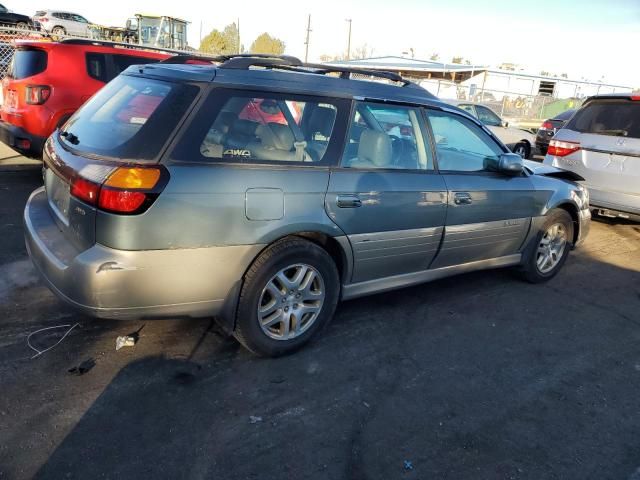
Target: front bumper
[15, 137]
[584, 226]
[108, 283]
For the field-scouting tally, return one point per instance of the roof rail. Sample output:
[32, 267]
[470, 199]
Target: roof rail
[105, 43]
[285, 62]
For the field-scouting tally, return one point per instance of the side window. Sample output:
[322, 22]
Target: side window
[461, 145]
[97, 66]
[387, 137]
[487, 117]
[122, 62]
[261, 129]
[470, 109]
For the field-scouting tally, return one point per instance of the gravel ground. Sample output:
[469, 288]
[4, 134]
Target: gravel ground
[480, 376]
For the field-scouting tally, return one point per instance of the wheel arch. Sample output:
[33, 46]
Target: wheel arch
[339, 249]
[573, 211]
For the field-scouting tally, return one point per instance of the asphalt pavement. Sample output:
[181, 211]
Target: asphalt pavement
[480, 376]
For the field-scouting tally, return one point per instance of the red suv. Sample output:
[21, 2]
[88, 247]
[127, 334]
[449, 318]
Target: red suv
[48, 81]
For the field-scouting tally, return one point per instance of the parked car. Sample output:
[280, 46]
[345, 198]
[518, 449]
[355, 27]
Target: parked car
[162, 199]
[60, 23]
[549, 128]
[601, 143]
[47, 81]
[11, 19]
[519, 141]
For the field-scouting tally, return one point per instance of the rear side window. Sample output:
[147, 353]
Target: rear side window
[122, 62]
[130, 118]
[261, 128]
[97, 67]
[611, 117]
[27, 63]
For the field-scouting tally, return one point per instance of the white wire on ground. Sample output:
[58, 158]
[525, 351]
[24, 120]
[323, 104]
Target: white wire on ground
[40, 352]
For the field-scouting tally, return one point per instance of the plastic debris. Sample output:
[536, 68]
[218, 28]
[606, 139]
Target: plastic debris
[254, 419]
[125, 341]
[408, 465]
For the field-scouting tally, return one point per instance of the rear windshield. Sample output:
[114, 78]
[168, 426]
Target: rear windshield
[130, 118]
[611, 117]
[27, 63]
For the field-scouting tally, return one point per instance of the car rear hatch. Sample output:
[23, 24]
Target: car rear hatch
[20, 87]
[105, 159]
[602, 144]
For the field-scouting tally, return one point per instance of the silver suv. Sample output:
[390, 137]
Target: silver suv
[263, 196]
[601, 143]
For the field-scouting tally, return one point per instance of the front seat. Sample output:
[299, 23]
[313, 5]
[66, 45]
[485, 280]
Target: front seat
[374, 151]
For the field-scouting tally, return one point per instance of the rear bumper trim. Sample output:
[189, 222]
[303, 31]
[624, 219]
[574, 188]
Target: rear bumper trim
[10, 135]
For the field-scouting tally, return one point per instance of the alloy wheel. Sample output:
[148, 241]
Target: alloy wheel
[291, 302]
[551, 247]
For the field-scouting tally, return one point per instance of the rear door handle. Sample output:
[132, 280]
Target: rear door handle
[462, 198]
[348, 201]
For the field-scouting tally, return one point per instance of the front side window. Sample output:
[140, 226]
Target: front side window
[461, 145]
[386, 137]
[487, 117]
[261, 128]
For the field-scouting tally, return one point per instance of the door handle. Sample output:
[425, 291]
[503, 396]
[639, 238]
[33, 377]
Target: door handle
[348, 201]
[462, 198]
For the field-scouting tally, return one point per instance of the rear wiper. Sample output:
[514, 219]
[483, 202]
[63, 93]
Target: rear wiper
[70, 137]
[617, 133]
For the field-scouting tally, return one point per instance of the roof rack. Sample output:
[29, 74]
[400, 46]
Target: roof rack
[286, 62]
[105, 43]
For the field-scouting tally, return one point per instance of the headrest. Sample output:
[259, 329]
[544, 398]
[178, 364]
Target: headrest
[276, 135]
[322, 120]
[244, 127]
[375, 147]
[224, 121]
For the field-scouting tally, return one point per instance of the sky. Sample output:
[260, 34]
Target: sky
[592, 39]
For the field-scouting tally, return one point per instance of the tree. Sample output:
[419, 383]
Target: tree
[544, 73]
[265, 43]
[564, 75]
[434, 57]
[457, 60]
[363, 51]
[221, 43]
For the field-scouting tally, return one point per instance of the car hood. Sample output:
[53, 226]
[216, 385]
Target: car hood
[548, 171]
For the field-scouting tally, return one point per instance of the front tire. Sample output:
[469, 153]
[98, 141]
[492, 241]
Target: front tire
[288, 295]
[551, 248]
[58, 32]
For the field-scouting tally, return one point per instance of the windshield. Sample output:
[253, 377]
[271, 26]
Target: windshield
[610, 117]
[130, 118]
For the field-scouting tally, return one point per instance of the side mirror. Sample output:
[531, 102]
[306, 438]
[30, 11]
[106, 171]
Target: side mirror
[510, 164]
[505, 124]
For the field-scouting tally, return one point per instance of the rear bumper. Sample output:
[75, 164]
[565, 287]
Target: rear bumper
[108, 283]
[13, 137]
[617, 202]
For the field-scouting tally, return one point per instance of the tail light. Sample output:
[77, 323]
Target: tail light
[127, 190]
[43, 19]
[559, 148]
[37, 94]
[547, 125]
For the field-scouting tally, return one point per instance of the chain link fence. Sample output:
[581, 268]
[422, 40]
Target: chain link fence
[520, 109]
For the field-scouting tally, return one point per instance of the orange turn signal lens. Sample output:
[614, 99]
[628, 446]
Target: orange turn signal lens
[133, 178]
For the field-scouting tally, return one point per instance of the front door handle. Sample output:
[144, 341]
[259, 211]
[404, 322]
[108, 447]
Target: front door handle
[348, 201]
[462, 198]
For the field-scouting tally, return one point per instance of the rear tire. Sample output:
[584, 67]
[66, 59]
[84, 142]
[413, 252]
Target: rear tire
[58, 32]
[551, 248]
[288, 295]
[22, 26]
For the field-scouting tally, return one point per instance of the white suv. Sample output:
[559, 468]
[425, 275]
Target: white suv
[601, 143]
[62, 23]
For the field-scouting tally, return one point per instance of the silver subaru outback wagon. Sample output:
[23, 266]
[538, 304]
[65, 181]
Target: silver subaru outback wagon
[263, 190]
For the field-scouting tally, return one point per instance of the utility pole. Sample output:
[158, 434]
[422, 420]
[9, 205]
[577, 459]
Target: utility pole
[238, 40]
[349, 39]
[306, 43]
